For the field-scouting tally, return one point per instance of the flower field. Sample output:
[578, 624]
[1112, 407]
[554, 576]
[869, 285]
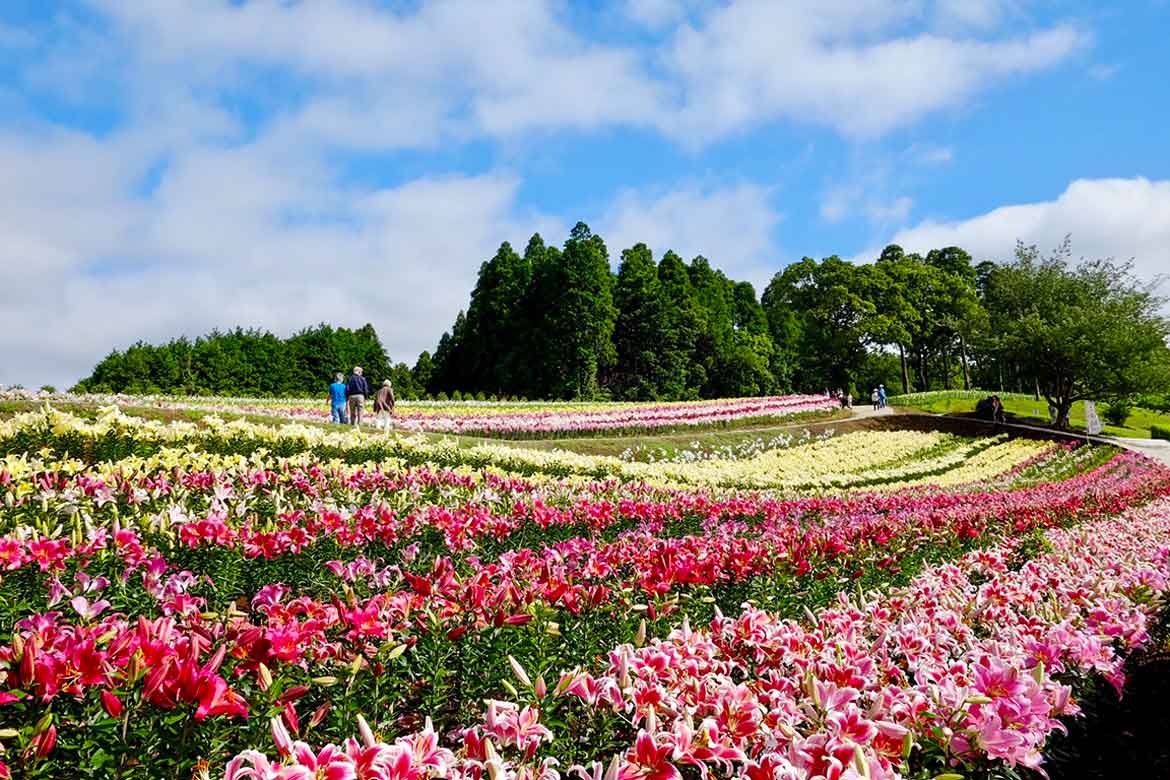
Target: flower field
[515, 420]
[247, 601]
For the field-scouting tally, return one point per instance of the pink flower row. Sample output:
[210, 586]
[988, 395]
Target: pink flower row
[968, 664]
[620, 417]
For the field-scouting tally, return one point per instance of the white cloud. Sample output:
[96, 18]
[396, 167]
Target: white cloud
[444, 70]
[894, 211]
[230, 235]
[1103, 71]
[867, 196]
[929, 154]
[851, 65]
[837, 203]
[1120, 218]
[732, 227]
[449, 69]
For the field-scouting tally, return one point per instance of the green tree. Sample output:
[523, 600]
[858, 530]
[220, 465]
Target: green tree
[682, 372]
[421, 373]
[1090, 331]
[495, 321]
[831, 300]
[639, 327]
[580, 324]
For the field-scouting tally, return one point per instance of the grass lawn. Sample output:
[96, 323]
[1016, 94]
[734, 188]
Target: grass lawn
[1025, 409]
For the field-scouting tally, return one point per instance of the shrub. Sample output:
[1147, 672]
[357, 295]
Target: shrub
[480, 396]
[1160, 432]
[441, 397]
[48, 389]
[1118, 412]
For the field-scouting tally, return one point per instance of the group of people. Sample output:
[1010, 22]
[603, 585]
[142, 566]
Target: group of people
[991, 409]
[348, 399]
[877, 397]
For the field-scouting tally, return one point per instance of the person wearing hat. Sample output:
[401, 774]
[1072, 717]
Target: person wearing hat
[384, 404]
[356, 390]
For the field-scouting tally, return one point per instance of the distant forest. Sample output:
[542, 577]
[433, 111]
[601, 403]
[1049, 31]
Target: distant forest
[558, 323]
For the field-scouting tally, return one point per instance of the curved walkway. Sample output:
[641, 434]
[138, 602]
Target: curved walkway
[1156, 449]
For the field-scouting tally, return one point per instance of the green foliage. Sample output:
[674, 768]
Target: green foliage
[1118, 412]
[1160, 432]
[1089, 331]
[640, 328]
[242, 363]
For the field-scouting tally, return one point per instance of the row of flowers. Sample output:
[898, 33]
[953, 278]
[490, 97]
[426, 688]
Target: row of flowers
[147, 616]
[860, 459]
[542, 421]
[162, 606]
[969, 667]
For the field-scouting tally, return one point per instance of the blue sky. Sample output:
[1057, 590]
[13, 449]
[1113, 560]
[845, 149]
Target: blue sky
[176, 165]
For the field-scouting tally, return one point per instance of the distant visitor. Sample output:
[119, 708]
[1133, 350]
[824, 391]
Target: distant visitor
[356, 390]
[384, 405]
[337, 400]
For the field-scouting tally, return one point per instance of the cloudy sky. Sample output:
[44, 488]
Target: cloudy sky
[169, 166]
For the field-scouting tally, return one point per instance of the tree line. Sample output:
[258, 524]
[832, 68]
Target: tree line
[250, 363]
[559, 323]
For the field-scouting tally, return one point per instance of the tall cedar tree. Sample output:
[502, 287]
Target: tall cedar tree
[640, 332]
[580, 325]
[682, 375]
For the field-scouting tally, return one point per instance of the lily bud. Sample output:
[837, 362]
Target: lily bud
[46, 742]
[859, 762]
[111, 704]
[264, 676]
[615, 767]
[365, 732]
[280, 736]
[519, 671]
[541, 688]
[640, 637]
[319, 715]
[325, 681]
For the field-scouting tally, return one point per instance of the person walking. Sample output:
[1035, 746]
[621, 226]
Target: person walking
[337, 399]
[881, 396]
[874, 398]
[848, 399]
[356, 390]
[384, 405]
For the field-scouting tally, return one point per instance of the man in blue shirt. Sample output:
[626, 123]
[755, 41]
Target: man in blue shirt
[337, 399]
[357, 389]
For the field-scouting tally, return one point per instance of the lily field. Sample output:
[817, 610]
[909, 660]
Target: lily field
[250, 592]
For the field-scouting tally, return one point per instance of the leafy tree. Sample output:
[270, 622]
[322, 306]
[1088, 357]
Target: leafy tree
[421, 373]
[835, 315]
[639, 328]
[579, 327]
[495, 321]
[1089, 331]
[682, 372]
